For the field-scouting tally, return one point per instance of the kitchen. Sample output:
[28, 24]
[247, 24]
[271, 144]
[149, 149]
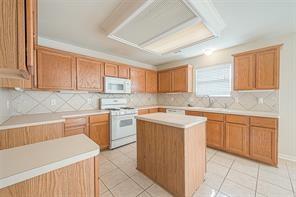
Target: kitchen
[81, 92]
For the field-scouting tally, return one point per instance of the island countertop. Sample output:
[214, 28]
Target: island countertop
[174, 120]
[25, 162]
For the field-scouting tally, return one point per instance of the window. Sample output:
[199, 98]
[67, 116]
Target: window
[214, 80]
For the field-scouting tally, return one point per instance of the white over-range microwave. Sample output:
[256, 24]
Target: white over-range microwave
[117, 85]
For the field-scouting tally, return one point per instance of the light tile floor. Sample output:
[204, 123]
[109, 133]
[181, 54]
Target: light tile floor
[227, 175]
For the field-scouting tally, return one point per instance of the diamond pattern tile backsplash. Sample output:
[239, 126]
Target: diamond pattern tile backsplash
[32, 102]
[265, 101]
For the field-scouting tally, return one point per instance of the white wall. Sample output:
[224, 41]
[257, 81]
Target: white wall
[287, 92]
[5, 111]
[83, 51]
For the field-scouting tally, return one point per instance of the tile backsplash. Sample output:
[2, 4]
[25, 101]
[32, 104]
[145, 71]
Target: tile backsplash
[266, 101]
[32, 102]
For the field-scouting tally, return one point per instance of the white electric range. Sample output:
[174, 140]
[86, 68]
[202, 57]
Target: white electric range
[123, 121]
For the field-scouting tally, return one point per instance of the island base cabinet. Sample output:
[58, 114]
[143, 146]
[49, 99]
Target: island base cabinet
[237, 139]
[215, 134]
[172, 157]
[75, 180]
[263, 143]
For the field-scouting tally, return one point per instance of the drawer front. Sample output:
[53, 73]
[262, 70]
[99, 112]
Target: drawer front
[264, 122]
[162, 110]
[194, 113]
[72, 122]
[214, 116]
[76, 130]
[153, 110]
[238, 119]
[99, 118]
[143, 111]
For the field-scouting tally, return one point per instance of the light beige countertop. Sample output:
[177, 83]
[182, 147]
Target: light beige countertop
[46, 118]
[25, 162]
[220, 110]
[174, 120]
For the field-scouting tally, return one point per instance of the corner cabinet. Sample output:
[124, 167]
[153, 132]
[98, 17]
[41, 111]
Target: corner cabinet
[18, 36]
[176, 80]
[257, 69]
[56, 69]
[89, 75]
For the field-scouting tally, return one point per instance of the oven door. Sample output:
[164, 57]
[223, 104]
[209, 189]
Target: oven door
[122, 126]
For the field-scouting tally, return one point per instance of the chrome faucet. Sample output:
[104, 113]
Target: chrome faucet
[210, 101]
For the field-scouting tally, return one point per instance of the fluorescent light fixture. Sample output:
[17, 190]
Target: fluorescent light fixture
[208, 52]
[185, 37]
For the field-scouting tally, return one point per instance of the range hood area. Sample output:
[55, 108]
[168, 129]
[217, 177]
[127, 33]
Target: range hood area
[165, 26]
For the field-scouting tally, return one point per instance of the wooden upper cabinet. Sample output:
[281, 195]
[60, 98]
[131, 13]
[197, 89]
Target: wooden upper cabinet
[89, 75]
[151, 81]
[111, 70]
[123, 71]
[267, 69]
[176, 80]
[56, 69]
[244, 72]
[182, 79]
[138, 78]
[257, 69]
[164, 81]
[17, 55]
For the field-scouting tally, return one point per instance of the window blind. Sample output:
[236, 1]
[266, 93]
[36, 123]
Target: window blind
[214, 80]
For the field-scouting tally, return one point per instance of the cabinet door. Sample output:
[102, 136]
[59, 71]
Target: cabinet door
[151, 81]
[263, 143]
[89, 75]
[237, 139]
[164, 81]
[180, 80]
[244, 72]
[99, 133]
[215, 134]
[138, 79]
[267, 69]
[111, 70]
[56, 70]
[123, 71]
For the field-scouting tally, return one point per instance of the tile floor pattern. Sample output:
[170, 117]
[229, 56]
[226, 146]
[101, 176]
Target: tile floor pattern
[226, 176]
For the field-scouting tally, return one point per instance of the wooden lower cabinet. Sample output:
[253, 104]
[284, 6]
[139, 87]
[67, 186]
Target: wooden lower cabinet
[99, 130]
[237, 139]
[215, 134]
[162, 110]
[153, 110]
[194, 113]
[75, 126]
[10, 138]
[263, 144]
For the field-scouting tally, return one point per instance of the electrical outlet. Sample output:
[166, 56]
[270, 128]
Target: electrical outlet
[89, 101]
[260, 100]
[53, 102]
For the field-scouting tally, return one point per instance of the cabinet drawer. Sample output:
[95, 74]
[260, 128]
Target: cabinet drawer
[162, 110]
[153, 110]
[76, 130]
[99, 118]
[238, 119]
[214, 116]
[264, 122]
[194, 113]
[73, 122]
[143, 111]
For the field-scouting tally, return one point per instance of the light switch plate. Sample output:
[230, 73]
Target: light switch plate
[53, 102]
[88, 100]
[260, 100]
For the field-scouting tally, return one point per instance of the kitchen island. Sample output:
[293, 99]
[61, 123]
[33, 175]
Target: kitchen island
[171, 150]
[61, 167]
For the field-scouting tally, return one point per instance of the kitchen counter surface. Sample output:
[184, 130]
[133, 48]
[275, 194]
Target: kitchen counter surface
[25, 162]
[46, 118]
[174, 120]
[220, 110]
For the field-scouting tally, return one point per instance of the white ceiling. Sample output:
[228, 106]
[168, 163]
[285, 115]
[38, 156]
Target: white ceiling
[77, 22]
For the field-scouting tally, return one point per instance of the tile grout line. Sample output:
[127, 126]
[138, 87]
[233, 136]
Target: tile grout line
[294, 192]
[257, 180]
[225, 176]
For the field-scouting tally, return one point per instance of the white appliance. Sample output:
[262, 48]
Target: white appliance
[117, 85]
[123, 121]
[176, 111]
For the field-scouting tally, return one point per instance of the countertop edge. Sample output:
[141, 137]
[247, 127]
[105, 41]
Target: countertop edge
[11, 180]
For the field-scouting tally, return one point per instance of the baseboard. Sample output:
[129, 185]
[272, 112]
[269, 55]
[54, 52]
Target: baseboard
[287, 157]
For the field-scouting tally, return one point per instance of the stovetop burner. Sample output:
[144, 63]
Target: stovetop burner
[127, 108]
[112, 109]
